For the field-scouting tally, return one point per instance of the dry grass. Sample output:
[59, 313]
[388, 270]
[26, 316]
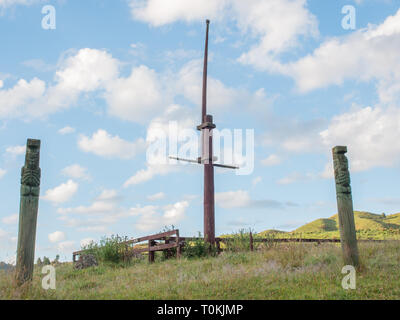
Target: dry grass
[280, 271]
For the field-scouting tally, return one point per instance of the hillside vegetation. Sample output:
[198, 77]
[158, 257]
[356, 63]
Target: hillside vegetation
[368, 226]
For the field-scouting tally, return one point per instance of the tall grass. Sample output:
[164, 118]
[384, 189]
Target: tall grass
[284, 271]
[111, 250]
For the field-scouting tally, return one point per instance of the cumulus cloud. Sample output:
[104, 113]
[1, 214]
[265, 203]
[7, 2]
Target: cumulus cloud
[271, 160]
[13, 219]
[2, 173]
[138, 97]
[56, 236]
[297, 177]
[242, 199]
[16, 150]
[160, 12]
[18, 100]
[104, 144]
[144, 175]
[9, 3]
[66, 130]
[364, 55]
[97, 216]
[85, 71]
[276, 25]
[371, 135]
[75, 171]
[66, 246]
[156, 196]
[62, 193]
[154, 217]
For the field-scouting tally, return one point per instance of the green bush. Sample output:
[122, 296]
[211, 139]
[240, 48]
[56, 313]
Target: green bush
[109, 250]
[238, 241]
[198, 248]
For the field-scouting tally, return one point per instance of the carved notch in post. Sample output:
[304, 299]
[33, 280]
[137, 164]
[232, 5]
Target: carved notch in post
[345, 206]
[28, 211]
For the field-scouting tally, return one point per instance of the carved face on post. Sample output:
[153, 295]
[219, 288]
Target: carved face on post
[31, 171]
[32, 157]
[341, 167]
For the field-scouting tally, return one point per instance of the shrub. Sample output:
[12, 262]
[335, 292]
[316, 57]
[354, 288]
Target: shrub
[109, 249]
[239, 241]
[198, 248]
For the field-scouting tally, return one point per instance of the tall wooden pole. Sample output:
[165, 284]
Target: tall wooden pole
[29, 204]
[345, 206]
[207, 155]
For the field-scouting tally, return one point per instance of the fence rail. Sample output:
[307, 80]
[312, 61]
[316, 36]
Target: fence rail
[173, 240]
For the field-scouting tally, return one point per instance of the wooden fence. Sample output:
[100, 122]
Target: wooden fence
[171, 239]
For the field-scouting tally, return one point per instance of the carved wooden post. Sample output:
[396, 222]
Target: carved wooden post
[28, 210]
[345, 206]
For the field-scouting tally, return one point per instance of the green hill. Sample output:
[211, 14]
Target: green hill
[368, 226]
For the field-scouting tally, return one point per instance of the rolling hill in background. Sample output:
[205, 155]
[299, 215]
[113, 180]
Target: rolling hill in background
[368, 226]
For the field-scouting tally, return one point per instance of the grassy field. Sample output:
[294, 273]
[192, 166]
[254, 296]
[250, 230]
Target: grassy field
[279, 271]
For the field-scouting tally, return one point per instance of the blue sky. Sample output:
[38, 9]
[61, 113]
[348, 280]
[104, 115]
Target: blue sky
[96, 88]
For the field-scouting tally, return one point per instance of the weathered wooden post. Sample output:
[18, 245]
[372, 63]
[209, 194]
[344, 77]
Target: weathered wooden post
[28, 210]
[151, 253]
[251, 242]
[178, 247]
[345, 206]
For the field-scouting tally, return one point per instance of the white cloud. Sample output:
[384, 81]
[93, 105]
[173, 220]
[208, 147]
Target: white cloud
[66, 246]
[9, 3]
[233, 199]
[2, 173]
[16, 150]
[371, 134]
[13, 219]
[297, 177]
[97, 207]
[242, 199]
[75, 171]
[150, 217]
[276, 24]
[56, 236]
[104, 144]
[160, 12]
[62, 193]
[108, 195]
[341, 58]
[138, 97]
[88, 70]
[66, 130]
[97, 216]
[147, 174]
[17, 101]
[271, 160]
[156, 196]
